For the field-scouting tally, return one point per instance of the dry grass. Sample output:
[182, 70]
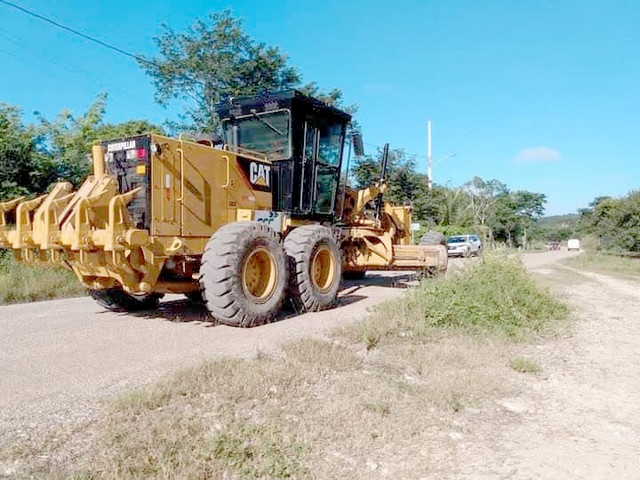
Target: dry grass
[377, 400]
[524, 365]
[624, 267]
[321, 410]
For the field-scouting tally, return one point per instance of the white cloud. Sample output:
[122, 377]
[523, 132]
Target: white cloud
[538, 155]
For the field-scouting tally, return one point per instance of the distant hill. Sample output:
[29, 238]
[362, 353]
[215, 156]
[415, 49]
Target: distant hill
[568, 220]
[557, 227]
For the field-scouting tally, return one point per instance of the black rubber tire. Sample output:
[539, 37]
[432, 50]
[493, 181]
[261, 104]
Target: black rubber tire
[433, 238]
[117, 300]
[354, 275]
[302, 246]
[195, 296]
[222, 274]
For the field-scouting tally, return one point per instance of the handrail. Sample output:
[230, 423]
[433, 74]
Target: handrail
[181, 150]
[226, 157]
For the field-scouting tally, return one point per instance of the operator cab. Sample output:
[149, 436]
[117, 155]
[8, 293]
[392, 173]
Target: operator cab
[302, 138]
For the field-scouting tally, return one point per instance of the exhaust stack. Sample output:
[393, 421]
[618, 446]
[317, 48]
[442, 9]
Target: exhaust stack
[97, 152]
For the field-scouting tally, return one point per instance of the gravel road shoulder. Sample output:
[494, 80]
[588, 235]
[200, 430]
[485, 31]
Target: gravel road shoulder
[578, 418]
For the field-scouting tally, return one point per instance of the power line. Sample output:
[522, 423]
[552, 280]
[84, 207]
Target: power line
[75, 32]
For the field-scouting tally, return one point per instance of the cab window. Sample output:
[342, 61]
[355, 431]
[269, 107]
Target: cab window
[330, 145]
[268, 133]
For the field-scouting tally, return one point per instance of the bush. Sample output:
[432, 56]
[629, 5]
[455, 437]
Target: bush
[494, 295]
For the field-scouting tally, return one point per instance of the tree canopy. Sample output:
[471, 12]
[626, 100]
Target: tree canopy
[19, 154]
[214, 58]
[485, 206]
[615, 222]
[34, 156]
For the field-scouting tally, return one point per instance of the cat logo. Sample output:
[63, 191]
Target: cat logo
[260, 174]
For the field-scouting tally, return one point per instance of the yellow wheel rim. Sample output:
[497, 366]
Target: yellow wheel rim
[259, 275]
[323, 269]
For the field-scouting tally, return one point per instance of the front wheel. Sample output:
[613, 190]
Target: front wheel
[315, 267]
[243, 274]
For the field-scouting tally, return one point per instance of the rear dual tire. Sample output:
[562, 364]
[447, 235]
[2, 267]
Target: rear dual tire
[243, 275]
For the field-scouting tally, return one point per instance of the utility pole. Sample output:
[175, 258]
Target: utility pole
[429, 164]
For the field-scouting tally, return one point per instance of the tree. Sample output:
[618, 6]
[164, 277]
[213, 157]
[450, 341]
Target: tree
[529, 207]
[615, 222]
[20, 155]
[405, 186]
[454, 209]
[516, 212]
[68, 139]
[483, 196]
[212, 60]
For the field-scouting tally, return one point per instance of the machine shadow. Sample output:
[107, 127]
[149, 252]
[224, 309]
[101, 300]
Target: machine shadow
[183, 310]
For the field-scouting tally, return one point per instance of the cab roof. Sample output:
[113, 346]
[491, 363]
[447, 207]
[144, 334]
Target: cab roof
[293, 100]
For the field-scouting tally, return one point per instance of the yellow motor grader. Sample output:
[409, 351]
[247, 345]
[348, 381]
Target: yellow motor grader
[241, 225]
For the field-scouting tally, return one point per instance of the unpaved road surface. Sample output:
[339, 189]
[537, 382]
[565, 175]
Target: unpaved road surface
[59, 359]
[579, 418]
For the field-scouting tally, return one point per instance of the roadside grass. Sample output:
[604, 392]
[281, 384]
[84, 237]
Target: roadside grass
[22, 283]
[380, 398]
[493, 296]
[607, 264]
[524, 365]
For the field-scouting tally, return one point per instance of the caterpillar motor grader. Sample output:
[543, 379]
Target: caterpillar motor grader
[241, 225]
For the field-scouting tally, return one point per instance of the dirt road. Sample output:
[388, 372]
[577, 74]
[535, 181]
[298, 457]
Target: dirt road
[59, 359]
[579, 418]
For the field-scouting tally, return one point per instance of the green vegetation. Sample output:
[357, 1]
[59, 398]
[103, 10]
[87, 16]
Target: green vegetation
[215, 59]
[615, 222]
[495, 296]
[487, 208]
[606, 263]
[20, 283]
[524, 365]
[34, 156]
[556, 228]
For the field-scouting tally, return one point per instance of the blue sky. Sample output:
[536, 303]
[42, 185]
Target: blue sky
[541, 95]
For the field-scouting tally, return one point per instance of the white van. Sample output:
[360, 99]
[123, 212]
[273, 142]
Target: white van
[573, 244]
